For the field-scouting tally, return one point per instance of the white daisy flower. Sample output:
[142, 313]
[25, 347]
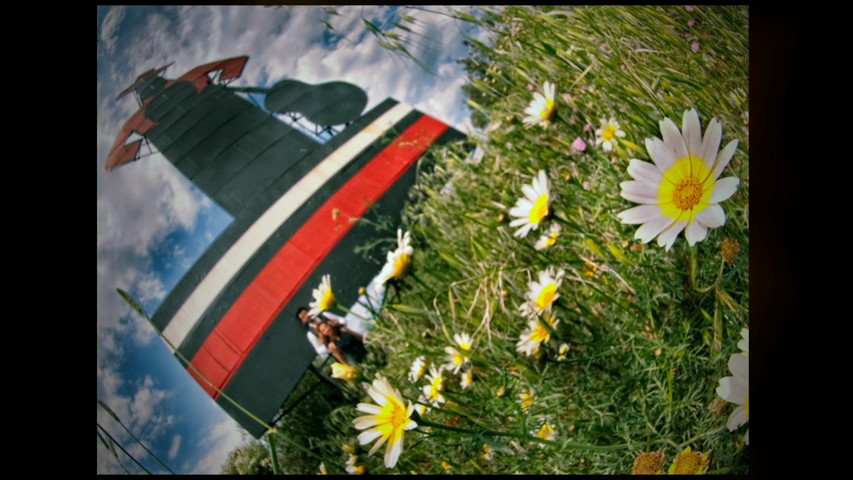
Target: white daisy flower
[531, 209]
[399, 261]
[323, 297]
[564, 349]
[463, 340]
[735, 389]
[386, 421]
[436, 385]
[536, 334]
[542, 294]
[541, 107]
[418, 367]
[466, 379]
[680, 189]
[606, 135]
[455, 360]
[548, 239]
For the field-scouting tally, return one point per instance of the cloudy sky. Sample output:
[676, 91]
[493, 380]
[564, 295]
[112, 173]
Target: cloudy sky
[152, 223]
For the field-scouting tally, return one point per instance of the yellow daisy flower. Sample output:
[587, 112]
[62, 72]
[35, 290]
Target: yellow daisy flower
[487, 452]
[352, 468]
[532, 208]
[680, 190]
[466, 379]
[608, 133]
[525, 398]
[343, 372]
[387, 421]
[564, 349]
[541, 107]
[548, 239]
[399, 261]
[324, 299]
[436, 385]
[463, 340]
[323, 469]
[735, 389]
[546, 432]
[541, 294]
[417, 370]
[536, 334]
[689, 463]
[455, 360]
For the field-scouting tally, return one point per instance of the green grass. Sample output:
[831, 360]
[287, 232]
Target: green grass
[648, 345]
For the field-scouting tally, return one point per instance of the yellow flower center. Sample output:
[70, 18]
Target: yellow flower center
[327, 300]
[687, 463]
[465, 346]
[546, 296]
[435, 388]
[648, 463]
[686, 187]
[401, 266]
[540, 333]
[687, 193]
[539, 210]
[526, 400]
[397, 415]
[457, 359]
[545, 432]
[546, 110]
[608, 133]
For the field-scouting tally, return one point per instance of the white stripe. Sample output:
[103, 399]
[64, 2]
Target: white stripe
[258, 233]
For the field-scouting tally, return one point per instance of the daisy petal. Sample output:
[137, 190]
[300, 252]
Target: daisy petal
[651, 229]
[640, 214]
[639, 192]
[667, 238]
[723, 158]
[673, 139]
[376, 445]
[736, 419]
[723, 189]
[365, 422]
[661, 155]
[712, 216]
[530, 192]
[692, 132]
[369, 408]
[392, 453]
[644, 171]
[711, 143]
[695, 232]
[739, 365]
[746, 437]
[368, 436]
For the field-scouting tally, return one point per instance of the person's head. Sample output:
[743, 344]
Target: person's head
[325, 329]
[302, 315]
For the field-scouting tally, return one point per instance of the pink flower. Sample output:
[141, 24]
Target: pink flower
[690, 23]
[585, 185]
[689, 8]
[694, 46]
[578, 145]
[586, 127]
[530, 86]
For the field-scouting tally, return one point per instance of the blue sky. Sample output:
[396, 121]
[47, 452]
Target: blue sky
[152, 223]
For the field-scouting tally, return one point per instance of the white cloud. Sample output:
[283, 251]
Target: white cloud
[219, 441]
[109, 27]
[176, 445]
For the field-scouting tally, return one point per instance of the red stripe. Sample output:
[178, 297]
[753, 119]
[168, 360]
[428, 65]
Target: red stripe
[254, 310]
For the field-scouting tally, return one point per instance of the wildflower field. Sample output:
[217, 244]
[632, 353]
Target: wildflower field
[573, 298]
